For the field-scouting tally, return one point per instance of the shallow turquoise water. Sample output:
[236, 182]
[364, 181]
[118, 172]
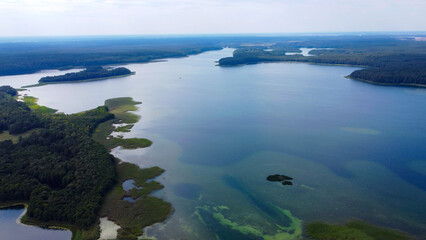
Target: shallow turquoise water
[219, 132]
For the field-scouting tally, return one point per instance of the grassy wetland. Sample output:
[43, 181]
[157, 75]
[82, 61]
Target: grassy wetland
[34, 134]
[143, 210]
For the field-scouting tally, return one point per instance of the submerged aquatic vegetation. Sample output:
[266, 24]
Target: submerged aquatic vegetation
[221, 220]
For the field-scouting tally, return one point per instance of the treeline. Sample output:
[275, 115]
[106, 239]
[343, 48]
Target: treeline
[29, 55]
[16, 117]
[92, 72]
[26, 56]
[388, 60]
[252, 56]
[392, 75]
[59, 170]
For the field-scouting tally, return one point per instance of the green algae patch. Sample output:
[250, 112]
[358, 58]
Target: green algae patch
[33, 105]
[227, 226]
[294, 231]
[244, 229]
[353, 230]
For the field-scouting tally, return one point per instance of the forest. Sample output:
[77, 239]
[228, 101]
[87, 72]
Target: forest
[15, 116]
[385, 60]
[58, 170]
[29, 55]
[388, 59]
[92, 72]
[32, 54]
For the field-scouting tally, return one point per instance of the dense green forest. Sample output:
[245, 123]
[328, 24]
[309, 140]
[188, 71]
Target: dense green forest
[58, 170]
[15, 116]
[387, 60]
[29, 55]
[92, 72]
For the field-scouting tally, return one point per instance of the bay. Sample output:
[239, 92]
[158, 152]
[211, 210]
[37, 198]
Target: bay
[219, 132]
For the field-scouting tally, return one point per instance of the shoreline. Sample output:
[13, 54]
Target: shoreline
[332, 64]
[114, 208]
[159, 59]
[77, 81]
[292, 61]
[388, 84]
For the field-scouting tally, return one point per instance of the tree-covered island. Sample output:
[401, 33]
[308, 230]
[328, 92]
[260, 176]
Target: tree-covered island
[67, 179]
[92, 73]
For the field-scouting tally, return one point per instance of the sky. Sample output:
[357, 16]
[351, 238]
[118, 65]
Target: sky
[138, 17]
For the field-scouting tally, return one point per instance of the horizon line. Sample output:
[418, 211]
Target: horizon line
[269, 34]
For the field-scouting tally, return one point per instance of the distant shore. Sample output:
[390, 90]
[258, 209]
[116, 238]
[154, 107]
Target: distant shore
[329, 64]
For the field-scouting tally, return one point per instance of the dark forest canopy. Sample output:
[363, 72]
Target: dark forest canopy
[388, 60]
[90, 73]
[58, 170]
[27, 56]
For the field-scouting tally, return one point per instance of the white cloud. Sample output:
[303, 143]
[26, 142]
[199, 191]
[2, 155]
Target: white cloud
[89, 17]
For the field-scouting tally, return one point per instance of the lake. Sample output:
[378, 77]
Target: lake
[354, 150]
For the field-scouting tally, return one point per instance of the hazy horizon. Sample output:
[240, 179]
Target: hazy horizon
[189, 17]
[201, 35]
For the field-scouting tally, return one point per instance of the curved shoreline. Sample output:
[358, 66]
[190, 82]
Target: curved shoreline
[293, 61]
[325, 64]
[332, 64]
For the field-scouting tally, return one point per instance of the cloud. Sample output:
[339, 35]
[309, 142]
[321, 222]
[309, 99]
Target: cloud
[90, 17]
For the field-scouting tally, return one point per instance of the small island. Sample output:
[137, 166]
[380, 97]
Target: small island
[89, 74]
[285, 180]
[278, 178]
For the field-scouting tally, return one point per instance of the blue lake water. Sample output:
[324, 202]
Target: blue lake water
[355, 150]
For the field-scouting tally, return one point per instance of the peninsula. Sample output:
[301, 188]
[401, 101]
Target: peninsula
[385, 60]
[66, 177]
